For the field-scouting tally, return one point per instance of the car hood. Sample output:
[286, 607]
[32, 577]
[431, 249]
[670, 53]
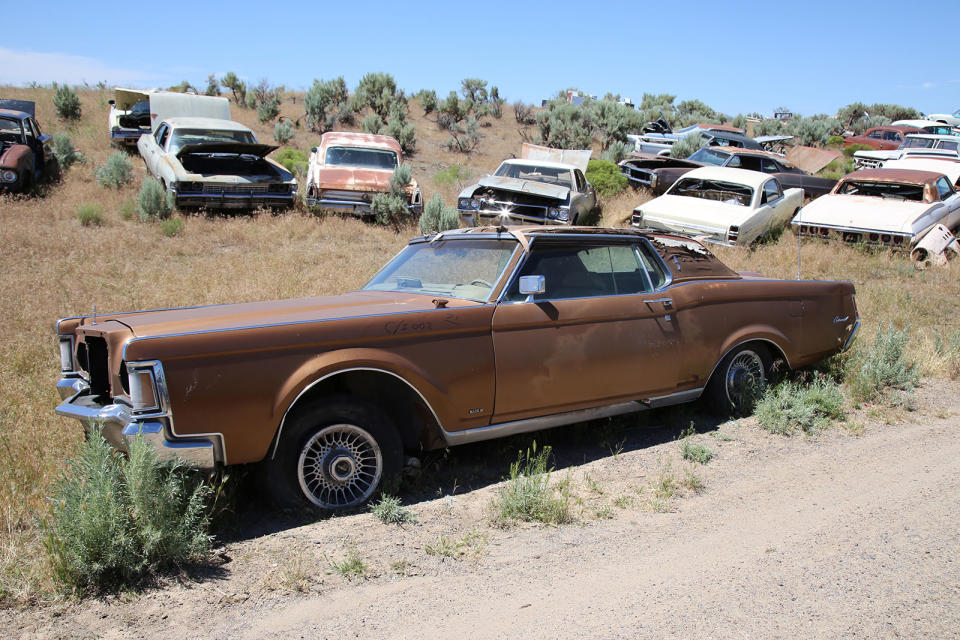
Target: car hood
[352, 178]
[648, 161]
[525, 186]
[232, 317]
[238, 148]
[699, 211]
[862, 212]
[878, 155]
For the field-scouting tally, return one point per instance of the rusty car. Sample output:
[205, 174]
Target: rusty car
[893, 208]
[658, 173]
[214, 163]
[881, 138]
[26, 156]
[466, 335]
[347, 169]
[721, 205]
[530, 191]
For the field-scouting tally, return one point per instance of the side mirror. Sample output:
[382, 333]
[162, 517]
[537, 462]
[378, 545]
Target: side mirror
[532, 285]
[313, 149]
[111, 102]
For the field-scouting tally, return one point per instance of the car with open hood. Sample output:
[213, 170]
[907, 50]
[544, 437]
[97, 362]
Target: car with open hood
[347, 169]
[25, 152]
[135, 112]
[721, 205]
[215, 164]
[887, 207]
[530, 191]
[658, 173]
[464, 336]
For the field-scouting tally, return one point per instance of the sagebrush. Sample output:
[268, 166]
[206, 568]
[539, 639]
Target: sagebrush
[795, 406]
[153, 201]
[527, 494]
[116, 171]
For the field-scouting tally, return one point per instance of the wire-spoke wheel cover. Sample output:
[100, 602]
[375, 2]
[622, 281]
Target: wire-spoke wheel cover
[745, 379]
[340, 466]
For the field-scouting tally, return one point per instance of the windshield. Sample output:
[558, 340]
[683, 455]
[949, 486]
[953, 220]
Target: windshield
[706, 155]
[10, 131]
[550, 175]
[728, 192]
[183, 137]
[467, 269]
[887, 190]
[362, 157]
[917, 143]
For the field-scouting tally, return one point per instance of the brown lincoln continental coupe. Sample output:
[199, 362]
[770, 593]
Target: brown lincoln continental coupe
[463, 336]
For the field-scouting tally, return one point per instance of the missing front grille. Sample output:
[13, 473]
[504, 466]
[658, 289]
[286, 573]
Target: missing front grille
[99, 370]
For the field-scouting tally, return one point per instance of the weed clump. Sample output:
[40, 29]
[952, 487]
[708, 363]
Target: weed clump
[350, 567]
[699, 453]
[390, 511]
[293, 160]
[606, 177]
[89, 215]
[882, 367]
[172, 227]
[66, 102]
[793, 406]
[527, 495]
[283, 131]
[153, 201]
[64, 152]
[686, 146]
[116, 172]
[117, 519]
[392, 208]
[437, 216]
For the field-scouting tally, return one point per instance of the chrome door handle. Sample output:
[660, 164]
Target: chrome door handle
[667, 302]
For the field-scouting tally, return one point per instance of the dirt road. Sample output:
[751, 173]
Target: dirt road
[840, 536]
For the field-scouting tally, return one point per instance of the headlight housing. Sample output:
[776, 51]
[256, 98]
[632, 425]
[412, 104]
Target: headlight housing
[66, 354]
[468, 204]
[553, 213]
[563, 215]
[8, 176]
[142, 383]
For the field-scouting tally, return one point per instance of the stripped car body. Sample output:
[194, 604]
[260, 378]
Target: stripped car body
[464, 336]
[529, 191]
[25, 152]
[658, 173]
[913, 144]
[347, 169]
[216, 164]
[721, 205]
[886, 207]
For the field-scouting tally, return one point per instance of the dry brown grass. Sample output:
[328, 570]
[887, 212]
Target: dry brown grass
[51, 266]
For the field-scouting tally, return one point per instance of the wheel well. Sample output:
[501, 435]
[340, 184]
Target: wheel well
[778, 358]
[395, 397]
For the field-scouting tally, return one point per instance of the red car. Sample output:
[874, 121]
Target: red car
[882, 138]
[25, 153]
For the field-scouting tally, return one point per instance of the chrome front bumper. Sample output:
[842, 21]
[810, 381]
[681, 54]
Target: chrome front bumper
[358, 207]
[484, 218]
[120, 426]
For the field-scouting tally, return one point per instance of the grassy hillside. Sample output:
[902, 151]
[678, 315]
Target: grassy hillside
[51, 266]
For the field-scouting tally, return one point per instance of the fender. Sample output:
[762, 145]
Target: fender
[761, 332]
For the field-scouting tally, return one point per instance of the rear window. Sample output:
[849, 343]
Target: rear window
[719, 190]
[361, 157]
[886, 190]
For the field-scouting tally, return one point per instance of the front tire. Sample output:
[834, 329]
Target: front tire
[334, 454]
[740, 380]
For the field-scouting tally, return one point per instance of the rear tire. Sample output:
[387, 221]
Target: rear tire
[334, 454]
[740, 380]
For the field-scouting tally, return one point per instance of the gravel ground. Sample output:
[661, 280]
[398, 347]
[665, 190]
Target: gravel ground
[849, 534]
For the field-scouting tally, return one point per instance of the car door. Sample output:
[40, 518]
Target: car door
[586, 198]
[151, 147]
[602, 331]
[951, 202]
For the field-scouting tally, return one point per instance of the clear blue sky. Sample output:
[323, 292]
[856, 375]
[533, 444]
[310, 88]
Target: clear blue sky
[810, 57]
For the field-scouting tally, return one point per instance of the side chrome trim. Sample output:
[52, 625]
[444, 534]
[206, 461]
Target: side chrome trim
[853, 335]
[678, 397]
[283, 420]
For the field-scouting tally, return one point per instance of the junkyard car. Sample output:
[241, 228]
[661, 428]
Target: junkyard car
[216, 164]
[881, 138]
[889, 207]
[25, 153]
[913, 144]
[725, 206]
[470, 335]
[347, 169]
[129, 116]
[659, 173]
[952, 119]
[527, 191]
[928, 126]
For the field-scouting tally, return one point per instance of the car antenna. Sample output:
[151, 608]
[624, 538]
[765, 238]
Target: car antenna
[94, 314]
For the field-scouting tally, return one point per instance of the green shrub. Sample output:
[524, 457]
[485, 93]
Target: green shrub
[377, 91]
[283, 131]
[687, 145]
[89, 215]
[564, 125]
[116, 172]
[464, 137]
[237, 86]
[66, 102]
[153, 201]
[171, 227]
[616, 152]
[455, 174]
[399, 129]
[372, 124]
[324, 101]
[606, 178]
[437, 216]
[883, 366]
[213, 86]
[293, 160]
[392, 208]
[427, 99]
[527, 494]
[119, 519]
[127, 207]
[268, 110]
[695, 452]
[794, 405]
[64, 152]
[852, 149]
[390, 511]
[835, 141]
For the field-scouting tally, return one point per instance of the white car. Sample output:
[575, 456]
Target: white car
[928, 126]
[721, 205]
[216, 164]
[952, 119]
[914, 143]
[949, 168]
[888, 207]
